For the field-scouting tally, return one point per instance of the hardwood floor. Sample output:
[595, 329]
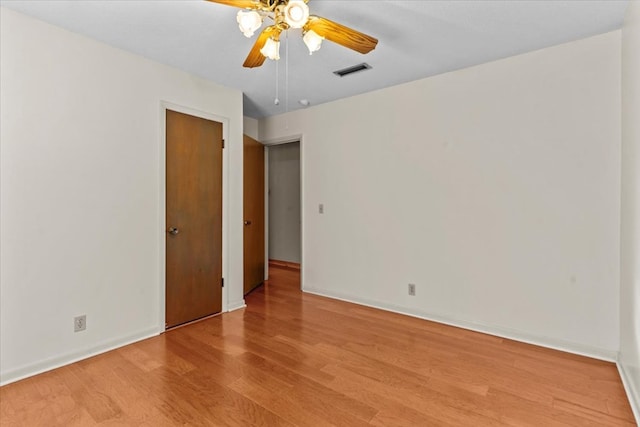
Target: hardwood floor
[276, 263]
[296, 359]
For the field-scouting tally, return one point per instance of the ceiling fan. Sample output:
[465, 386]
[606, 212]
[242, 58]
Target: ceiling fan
[288, 14]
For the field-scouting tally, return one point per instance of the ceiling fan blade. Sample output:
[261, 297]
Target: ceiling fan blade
[341, 35]
[255, 57]
[243, 4]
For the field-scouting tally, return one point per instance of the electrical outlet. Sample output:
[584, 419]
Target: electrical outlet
[412, 289]
[80, 323]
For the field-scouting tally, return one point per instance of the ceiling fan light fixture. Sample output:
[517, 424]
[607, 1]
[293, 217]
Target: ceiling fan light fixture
[286, 15]
[312, 40]
[271, 49]
[249, 21]
[296, 13]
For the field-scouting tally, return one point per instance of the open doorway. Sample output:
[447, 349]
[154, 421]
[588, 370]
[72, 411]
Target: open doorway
[284, 225]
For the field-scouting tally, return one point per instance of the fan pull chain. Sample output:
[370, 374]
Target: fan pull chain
[286, 90]
[277, 100]
[286, 102]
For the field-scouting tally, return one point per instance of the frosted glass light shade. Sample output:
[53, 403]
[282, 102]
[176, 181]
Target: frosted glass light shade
[249, 21]
[312, 40]
[271, 49]
[296, 13]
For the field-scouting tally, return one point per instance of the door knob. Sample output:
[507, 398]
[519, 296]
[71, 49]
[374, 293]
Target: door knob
[173, 230]
[247, 223]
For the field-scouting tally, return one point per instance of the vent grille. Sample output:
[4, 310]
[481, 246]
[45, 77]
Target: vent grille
[353, 69]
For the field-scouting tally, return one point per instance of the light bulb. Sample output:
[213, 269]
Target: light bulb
[271, 49]
[312, 40]
[248, 21]
[296, 13]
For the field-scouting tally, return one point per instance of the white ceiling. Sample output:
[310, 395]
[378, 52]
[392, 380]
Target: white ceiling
[417, 39]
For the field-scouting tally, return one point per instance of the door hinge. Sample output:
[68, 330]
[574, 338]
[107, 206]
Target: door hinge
[223, 144]
[222, 282]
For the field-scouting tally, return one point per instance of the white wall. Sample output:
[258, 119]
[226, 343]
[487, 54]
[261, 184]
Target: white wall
[630, 227]
[250, 127]
[284, 202]
[495, 189]
[82, 226]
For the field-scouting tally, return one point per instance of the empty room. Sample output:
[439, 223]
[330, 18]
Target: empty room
[320, 212]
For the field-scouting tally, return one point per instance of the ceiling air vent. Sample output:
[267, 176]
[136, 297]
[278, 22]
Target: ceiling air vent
[352, 69]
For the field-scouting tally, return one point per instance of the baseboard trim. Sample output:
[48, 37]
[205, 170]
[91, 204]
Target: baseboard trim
[548, 342]
[26, 371]
[633, 394]
[32, 369]
[236, 305]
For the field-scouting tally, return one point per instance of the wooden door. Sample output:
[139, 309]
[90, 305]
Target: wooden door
[194, 218]
[253, 214]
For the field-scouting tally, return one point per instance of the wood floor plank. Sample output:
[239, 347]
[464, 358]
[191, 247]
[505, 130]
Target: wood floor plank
[292, 358]
[279, 363]
[269, 398]
[435, 407]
